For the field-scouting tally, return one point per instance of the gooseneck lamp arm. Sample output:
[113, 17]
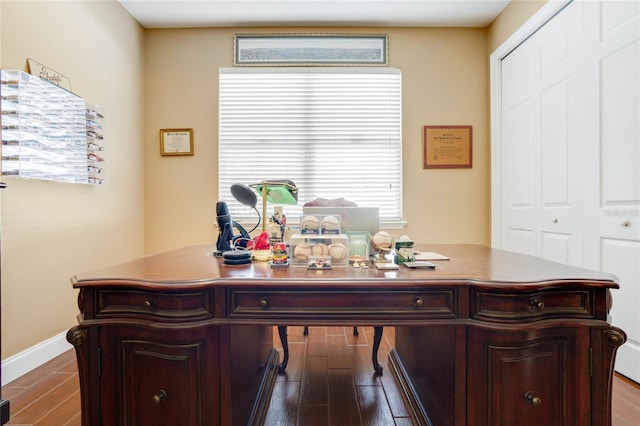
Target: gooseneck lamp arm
[264, 207]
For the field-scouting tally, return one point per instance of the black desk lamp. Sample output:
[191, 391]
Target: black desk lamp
[247, 197]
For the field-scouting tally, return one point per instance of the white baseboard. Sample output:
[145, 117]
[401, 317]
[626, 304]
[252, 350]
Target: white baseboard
[33, 357]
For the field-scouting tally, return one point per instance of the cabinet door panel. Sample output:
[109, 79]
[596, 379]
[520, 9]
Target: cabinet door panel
[161, 383]
[526, 380]
[159, 377]
[512, 401]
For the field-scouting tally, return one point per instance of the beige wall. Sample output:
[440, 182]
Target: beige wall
[51, 231]
[445, 81]
[148, 80]
[512, 17]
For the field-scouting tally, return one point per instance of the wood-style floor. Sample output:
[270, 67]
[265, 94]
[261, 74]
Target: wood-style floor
[329, 381]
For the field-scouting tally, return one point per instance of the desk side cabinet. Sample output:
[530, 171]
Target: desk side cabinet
[159, 376]
[528, 378]
[155, 358]
[526, 359]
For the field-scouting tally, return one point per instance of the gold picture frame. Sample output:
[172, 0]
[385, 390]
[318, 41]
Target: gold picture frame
[289, 50]
[447, 147]
[176, 142]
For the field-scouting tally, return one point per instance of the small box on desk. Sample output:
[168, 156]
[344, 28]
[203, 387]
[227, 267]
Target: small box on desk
[305, 246]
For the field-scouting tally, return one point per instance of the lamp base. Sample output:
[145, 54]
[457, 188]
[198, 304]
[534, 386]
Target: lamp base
[261, 255]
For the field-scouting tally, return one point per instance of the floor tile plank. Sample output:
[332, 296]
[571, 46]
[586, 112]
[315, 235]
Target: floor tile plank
[373, 406]
[313, 415]
[363, 373]
[314, 381]
[62, 413]
[40, 407]
[337, 353]
[343, 398]
[283, 409]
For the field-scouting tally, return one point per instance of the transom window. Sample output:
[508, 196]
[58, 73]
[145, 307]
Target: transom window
[334, 132]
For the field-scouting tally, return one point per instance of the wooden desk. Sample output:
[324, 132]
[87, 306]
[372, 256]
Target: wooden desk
[487, 338]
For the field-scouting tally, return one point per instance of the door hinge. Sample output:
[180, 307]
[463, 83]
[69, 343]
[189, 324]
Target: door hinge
[590, 362]
[99, 361]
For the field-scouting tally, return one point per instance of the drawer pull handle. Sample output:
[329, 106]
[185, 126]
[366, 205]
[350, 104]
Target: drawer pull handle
[626, 223]
[537, 304]
[533, 400]
[264, 303]
[418, 302]
[149, 303]
[159, 397]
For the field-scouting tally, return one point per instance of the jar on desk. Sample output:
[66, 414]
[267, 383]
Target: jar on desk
[358, 247]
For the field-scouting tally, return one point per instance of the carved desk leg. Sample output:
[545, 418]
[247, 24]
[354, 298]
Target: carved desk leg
[607, 341]
[282, 332]
[377, 338]
[78, 336]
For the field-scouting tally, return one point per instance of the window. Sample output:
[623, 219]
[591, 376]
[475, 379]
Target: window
[334, 132]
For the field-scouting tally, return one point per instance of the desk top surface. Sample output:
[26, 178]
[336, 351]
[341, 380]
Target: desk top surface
[196, 267]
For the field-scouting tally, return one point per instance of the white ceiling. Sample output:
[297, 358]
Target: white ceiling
[377, 13]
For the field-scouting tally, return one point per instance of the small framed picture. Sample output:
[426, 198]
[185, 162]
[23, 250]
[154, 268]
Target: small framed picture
[176, 142]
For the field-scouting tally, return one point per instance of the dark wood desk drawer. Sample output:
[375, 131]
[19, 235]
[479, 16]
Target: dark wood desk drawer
[334, 304]
[158, 305]
[532, 306]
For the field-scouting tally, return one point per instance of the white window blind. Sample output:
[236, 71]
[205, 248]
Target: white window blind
[334, 132]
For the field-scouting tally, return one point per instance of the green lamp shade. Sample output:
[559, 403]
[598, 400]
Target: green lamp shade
[279, 192]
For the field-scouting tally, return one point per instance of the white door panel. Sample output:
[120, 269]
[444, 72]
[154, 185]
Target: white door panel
[569, 151]
[520, 240]
[614, 181]
[616, 20]
[556, 247]
[555, 146]
[519, 158]
[620, 118]
[541, 194]
[622, 256]
[620, 222]
[561, 164]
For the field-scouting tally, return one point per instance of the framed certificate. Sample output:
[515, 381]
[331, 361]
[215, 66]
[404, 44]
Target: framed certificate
[447, 147]
[176, 141]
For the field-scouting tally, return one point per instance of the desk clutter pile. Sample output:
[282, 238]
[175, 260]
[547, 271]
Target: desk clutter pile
[321, 242]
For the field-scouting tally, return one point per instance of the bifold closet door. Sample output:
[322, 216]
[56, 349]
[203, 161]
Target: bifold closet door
[570, 151]
[542, 154]
[612, 152]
